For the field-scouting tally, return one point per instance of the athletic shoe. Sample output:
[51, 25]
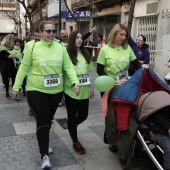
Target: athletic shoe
[78, 148]
[7, 96]
[46, 162]
[50, 151]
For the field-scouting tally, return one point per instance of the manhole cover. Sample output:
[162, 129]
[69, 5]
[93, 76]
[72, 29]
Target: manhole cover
[62, 123]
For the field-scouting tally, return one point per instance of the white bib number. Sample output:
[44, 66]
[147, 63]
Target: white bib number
[84, 79]
[123, 74]
[51, 80]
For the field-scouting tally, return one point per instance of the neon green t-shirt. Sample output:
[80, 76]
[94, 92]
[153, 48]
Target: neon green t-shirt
[115, 59]
[82, 70]
[46, 63]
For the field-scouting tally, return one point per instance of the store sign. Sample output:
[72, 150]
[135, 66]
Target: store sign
[7, 1]
[166, 13]
[77, 14]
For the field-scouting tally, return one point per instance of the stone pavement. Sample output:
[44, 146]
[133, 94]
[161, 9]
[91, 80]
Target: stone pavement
[19, 149]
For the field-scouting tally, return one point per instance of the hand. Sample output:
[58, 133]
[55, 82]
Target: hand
[15, 95]
[91, 94]
[121, 82]
[145, 66]
[94, 29]
[10, 56]
[124, 21]
[76, 89]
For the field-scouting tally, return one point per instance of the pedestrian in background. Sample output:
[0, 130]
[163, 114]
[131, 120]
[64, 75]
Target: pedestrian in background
[77, 106]
[45, 62]
[101, 43]
[6, 60]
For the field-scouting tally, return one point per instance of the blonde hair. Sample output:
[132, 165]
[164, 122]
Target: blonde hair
[8, 41]
[117, 28]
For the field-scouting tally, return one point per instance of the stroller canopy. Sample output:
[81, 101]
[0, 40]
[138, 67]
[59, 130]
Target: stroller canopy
[151, 102]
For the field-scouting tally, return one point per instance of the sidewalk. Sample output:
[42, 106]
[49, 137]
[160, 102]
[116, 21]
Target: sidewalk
[19, 149]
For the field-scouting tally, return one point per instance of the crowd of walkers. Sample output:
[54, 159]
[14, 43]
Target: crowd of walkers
[56, 70]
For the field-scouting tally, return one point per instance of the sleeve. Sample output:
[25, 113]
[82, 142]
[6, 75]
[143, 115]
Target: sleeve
[69, 68]
[85, 36]
[146, 57]
[27, 59]
[4, 54]
[131, 42]
[101, 57]
[100, 70]
[22, 72]
[136, 64]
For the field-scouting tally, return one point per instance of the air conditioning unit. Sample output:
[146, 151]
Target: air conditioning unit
[146, 9]
[125, 8]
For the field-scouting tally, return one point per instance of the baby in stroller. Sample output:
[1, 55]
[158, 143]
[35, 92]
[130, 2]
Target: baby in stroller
[154, 112]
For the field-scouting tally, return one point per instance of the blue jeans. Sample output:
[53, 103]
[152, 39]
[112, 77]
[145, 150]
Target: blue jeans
[164, 143]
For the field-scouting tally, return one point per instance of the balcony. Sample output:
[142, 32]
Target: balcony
[100, 4]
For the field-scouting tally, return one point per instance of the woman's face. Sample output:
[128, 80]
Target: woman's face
[79, 40]
[120, 37]
[48, 33]
[139, 41]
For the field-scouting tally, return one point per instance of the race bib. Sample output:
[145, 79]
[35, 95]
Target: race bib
[123, 74]
[51, 80]
[84, 79]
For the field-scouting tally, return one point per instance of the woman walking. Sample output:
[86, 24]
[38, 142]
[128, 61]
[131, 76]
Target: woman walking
[77, 106]
[45, 61]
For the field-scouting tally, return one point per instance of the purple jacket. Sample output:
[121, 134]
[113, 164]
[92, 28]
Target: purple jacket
[142, 53]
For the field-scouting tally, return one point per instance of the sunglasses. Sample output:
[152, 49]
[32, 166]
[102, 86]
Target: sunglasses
[64, 36]
[50, 31]
[139, 39]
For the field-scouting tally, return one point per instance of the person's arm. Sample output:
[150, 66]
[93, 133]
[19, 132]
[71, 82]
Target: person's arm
[146, 57]
[85, 36]
[100, 70]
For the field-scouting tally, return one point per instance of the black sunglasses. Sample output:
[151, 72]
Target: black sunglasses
[49, 31]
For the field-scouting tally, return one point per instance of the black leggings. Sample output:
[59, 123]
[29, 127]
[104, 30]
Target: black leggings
[77, 112]
[44, 107]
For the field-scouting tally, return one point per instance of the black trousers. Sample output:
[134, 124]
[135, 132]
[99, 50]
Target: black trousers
[44, 107]
[77, 112]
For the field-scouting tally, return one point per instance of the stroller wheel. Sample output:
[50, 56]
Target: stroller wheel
[125, 164]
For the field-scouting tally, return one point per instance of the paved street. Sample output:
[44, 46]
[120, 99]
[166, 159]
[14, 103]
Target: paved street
[19, 149]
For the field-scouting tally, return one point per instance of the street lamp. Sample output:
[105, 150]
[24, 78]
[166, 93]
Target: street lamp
[26, 20]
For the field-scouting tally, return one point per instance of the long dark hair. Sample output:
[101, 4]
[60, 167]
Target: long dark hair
[72, 49]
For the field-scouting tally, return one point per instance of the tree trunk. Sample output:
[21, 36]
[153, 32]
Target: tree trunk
[131, 12]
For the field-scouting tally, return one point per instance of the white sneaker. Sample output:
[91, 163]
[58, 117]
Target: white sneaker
[50, 151]
[46, 162]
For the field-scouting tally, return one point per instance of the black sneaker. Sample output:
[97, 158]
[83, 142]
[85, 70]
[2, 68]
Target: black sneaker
[7, 96]
[113, 148]
[78, 148]
[24, 93]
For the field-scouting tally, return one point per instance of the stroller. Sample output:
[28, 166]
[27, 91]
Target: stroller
[123, 124]
[148, 104]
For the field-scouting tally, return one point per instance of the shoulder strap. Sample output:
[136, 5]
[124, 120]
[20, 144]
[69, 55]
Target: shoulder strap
[32, 49]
